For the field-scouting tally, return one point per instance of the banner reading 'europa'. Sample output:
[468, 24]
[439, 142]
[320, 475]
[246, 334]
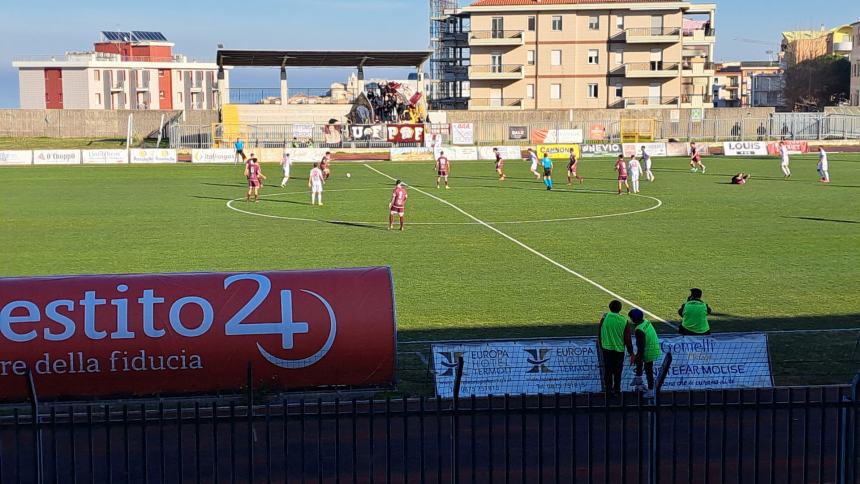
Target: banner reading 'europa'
[100, 336]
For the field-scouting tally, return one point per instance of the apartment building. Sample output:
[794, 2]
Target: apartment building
[125, 70]
[855, 64]
[749, 84]
[802, 45]
[575, 54]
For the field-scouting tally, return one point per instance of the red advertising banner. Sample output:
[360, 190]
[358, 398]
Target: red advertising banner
[794, 147]
[406, 133]
[137, 335]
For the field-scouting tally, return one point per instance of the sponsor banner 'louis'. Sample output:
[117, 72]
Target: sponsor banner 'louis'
[118, 335]
[745, 148]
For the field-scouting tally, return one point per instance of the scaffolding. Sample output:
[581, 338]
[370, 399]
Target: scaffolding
[449, 65]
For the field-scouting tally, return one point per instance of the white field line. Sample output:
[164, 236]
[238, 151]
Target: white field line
[533, 251]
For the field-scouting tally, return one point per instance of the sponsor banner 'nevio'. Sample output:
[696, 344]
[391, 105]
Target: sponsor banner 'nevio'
[136, 335]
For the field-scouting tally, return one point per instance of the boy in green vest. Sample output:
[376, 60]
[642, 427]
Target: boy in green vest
[611, 340]
[647, 349]
[694, 315]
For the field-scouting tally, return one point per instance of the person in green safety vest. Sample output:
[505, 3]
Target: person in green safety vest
[611, 340]
[694, 315]
[647, 349]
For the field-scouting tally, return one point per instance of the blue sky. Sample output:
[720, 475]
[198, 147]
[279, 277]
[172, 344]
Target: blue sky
[197, 26]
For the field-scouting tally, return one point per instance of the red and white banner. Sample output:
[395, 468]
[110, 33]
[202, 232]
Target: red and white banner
[136, 335]
[794, 147]
[406, 133]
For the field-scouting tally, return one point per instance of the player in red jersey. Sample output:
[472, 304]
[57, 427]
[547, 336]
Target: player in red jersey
[443, 166]
[254, 174]
[500, 164]
[621, 168]
[571, 168]
[324, 165]
[696, 159]
[398, 204]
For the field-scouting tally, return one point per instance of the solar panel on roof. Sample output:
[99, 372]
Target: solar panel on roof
[149, 36]
[116, 36]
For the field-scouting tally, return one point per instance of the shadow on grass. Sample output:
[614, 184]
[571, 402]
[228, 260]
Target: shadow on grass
[818, 219]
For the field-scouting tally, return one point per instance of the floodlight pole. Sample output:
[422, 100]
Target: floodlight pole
[285, 91]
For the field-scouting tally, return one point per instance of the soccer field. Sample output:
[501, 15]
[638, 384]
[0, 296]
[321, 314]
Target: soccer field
[485, 259]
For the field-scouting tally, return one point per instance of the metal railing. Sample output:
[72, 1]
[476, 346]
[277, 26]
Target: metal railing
[496, 69]
[266, 95]
[653, 32]
[807, 434]
[689, 98]
[689, 65]
[650, 101]
[654, 66]
[705, 32]
[495, 34]
[107, 57]
[495, 102]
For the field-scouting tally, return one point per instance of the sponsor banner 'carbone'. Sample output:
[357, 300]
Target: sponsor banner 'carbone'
[135, 335]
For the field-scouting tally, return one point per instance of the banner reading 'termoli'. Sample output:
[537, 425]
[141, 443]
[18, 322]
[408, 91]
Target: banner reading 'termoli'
[122, 335]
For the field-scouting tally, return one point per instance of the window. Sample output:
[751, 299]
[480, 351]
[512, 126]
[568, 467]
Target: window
[619, 57]
[532, 23]
[530, 91]
[556, 23]
[555, 58]
[619, 22]
[530, 57]
[496, 61]
[555, 91]
[592, 90]
[161, 94]
[593, 23]
[98, 75]
[619, 90]
[99, 98]
[179, 97]
[593, 56]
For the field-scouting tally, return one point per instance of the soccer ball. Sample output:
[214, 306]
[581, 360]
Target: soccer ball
[348, 175]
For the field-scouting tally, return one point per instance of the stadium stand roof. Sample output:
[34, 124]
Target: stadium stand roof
[300, 58]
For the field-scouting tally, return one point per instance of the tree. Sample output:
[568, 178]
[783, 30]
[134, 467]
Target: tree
[815, 83]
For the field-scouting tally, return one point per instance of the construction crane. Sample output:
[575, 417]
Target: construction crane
[771, 52]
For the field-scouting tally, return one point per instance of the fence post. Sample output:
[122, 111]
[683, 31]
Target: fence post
[654, 454]
[250, 398]
[37, 430]
[848, 450]
[455, 422]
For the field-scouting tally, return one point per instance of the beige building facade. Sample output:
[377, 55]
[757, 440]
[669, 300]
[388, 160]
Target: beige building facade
[573, 54]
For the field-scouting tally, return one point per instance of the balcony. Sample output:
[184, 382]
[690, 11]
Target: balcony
[649, 102]
[700, 36]
[495, 38]
[495, 104]
[698, 69]
[496, 72]
[118, 86]
[843, 47]
[653, 35]
[455, 37]
[697, 101]
[655, 69]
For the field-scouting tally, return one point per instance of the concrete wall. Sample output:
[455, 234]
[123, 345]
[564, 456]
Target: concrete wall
[566, 115]
[91, 123]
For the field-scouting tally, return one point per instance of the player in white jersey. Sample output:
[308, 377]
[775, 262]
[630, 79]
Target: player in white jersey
[533, 159]
[286, 164]
[634, 169]
[785, 160]
[646, 160]
[823, 166]
[315, 183]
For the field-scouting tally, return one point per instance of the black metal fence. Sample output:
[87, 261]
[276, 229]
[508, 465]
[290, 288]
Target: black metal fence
[776, 436]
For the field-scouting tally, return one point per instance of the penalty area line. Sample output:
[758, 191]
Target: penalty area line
[530, 249]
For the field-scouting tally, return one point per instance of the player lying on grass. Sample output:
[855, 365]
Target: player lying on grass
[500, 164]
[740, 178]
[572, 165]
[254, 174]
[397, 207]
[442, 167]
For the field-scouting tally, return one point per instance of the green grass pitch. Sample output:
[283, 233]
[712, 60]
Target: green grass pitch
[772, 255]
